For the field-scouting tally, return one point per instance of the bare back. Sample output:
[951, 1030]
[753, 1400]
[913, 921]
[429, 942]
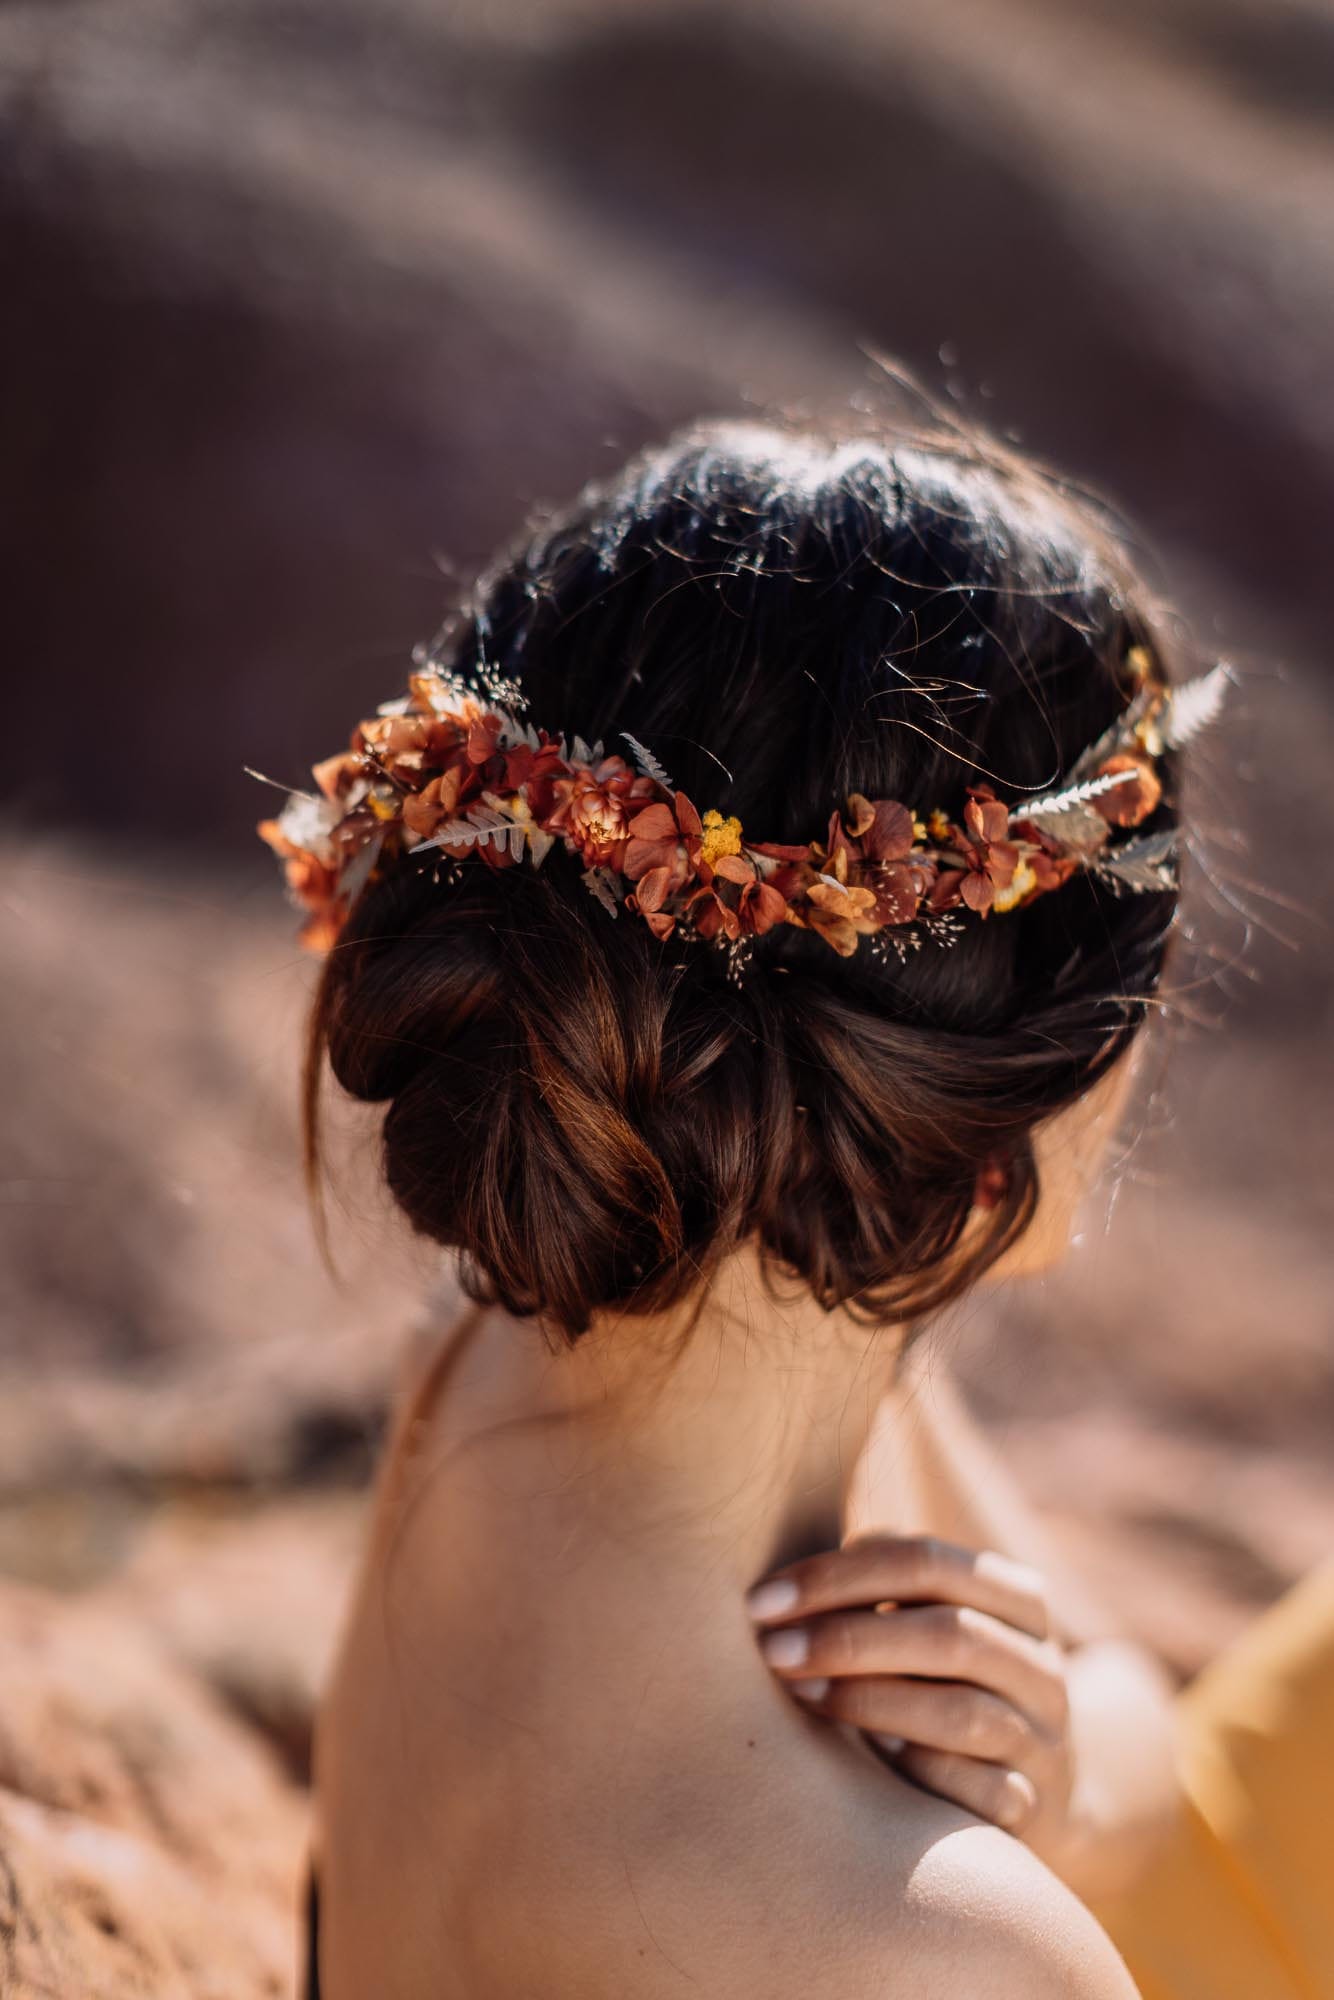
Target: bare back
[529, 1784]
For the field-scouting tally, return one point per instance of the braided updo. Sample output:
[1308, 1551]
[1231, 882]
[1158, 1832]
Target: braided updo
[594, 1116]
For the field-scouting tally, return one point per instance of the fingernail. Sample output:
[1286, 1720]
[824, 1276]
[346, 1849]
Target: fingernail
[787, 1648]
[810, 1690]
[771, 1600]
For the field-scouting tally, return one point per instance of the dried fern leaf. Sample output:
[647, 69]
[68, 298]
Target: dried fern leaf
[647, 762]
[1055, 804]
[598, 882]
[484, 826]
[1194, 704]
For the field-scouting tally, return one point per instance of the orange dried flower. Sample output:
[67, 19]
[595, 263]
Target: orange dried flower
[1127, 804]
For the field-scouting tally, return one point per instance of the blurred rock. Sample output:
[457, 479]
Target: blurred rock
[150, 1842]
[164, 1316]
[249, 1600]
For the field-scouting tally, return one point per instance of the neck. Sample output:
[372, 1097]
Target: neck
[735, 1435]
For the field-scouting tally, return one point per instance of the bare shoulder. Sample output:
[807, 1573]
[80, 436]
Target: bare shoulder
[839, 1886]
[992, 1921]
[973, 1913]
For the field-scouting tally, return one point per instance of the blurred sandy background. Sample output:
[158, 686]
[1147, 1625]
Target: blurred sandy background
[302, 303]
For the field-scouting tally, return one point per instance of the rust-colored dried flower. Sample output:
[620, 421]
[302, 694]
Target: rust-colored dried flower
[595, 807]
[988, 856]
[1127, 804]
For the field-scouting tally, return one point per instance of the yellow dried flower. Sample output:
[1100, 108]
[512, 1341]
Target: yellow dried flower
[719, 836]
[1019, 884]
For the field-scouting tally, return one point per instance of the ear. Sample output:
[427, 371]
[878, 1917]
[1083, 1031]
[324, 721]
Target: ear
[991, 1185]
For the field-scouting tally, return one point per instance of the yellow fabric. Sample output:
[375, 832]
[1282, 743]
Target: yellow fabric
[1241, 1905]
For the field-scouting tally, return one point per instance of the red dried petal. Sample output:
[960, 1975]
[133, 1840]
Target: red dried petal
[641, 855]
[861, 814]
[652, 889]
[836, 931]
[778, 852]
[687, 818]
[519, 761]
[654, 823]
[659, 922]
[897, 893]
[710, 915]
[986, 819]
[977, 891]
[1001, 862]
[483, 738]
[333, 774]
[890, 835]
[947, 888]
[762, 907]
[423, 812]
[838, 848]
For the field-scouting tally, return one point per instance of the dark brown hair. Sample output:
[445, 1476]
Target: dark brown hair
[593, 1116]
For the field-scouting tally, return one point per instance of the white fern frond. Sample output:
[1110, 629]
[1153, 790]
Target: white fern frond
[1195, 704]
[647, 762]
[1056, 803]
[582, 754]
[483, 827]
[598, 882]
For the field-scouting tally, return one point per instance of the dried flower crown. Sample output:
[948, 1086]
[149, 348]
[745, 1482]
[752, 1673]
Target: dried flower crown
[451, 767]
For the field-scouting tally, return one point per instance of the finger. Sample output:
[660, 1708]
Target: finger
[938, 1715]
[904, 1569]
[989, 1791]
[942, 1642]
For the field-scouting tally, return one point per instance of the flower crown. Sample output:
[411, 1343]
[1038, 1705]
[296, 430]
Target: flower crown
[451, 767]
